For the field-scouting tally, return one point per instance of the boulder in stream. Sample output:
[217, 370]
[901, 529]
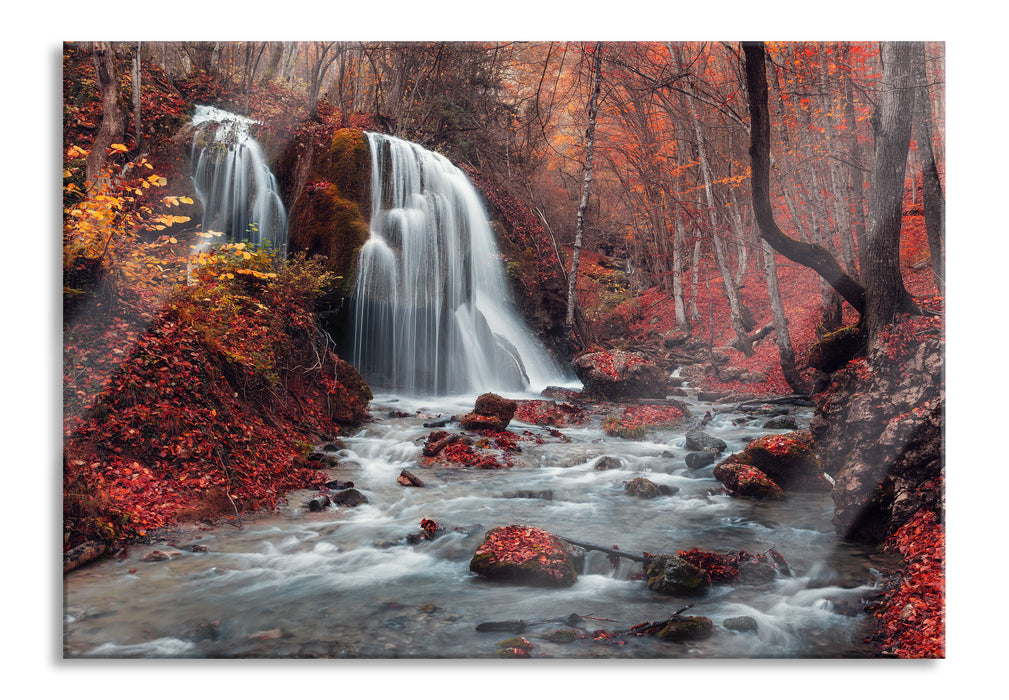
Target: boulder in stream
[528, 556]
[491, 412]
[615, 375]
[640, 487]
[746, 480]
[348, 497]
[676, 576]
[789, 460]
[686, 628]
[698, 440]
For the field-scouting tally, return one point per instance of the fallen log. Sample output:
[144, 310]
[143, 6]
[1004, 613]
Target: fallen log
[407, 479]
[318, 503]
[572, 620]
[793, 399]
[84, 553]
[440, 442]
[646, 628]
[640, 558]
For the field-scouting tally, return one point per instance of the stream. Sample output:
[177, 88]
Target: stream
[346, 583]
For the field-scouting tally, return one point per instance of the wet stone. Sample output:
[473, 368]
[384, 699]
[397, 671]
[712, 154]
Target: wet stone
[743, 623]
[607, 462]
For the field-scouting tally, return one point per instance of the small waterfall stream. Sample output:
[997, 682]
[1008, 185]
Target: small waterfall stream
[345, 582]
[434, 322]
[233, 181]
[433, 313]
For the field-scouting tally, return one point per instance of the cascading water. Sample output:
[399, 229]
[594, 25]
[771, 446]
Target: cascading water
[233, 181]
[433, 314]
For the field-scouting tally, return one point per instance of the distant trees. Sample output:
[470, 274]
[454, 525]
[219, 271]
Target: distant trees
[670, 199]
[883, 294]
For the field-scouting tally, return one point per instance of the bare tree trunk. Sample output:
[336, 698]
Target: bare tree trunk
[735, 311]
[934, 200]
[590, 133]
[856, 198]
[678, 243]
[785, 351]
[695, 264]
[882, 256]
[135, 87]
[111, 130]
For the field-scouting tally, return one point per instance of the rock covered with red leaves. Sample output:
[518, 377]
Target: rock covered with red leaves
[747, 481]
[615, 375]
[880, 430]
[789, 460]
[528, 556]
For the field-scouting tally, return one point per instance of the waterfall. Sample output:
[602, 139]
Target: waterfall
[233, 181]
[432, 314]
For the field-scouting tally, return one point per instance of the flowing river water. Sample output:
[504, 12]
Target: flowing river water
[348, 583]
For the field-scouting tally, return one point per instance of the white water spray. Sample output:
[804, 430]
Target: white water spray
[234, 183]
[433, 314]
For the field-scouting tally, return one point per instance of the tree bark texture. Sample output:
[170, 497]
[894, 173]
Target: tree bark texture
[135, 87]
[111, 130]
[590, 134]
[933, 199]
[810, 255]
[786, 352]
[887, 295]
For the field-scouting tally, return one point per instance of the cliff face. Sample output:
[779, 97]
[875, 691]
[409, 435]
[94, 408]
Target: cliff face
[329, 187]
[880, 432]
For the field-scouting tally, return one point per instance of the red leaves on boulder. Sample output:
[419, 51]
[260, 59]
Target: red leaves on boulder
[525, 555]
[550, 413]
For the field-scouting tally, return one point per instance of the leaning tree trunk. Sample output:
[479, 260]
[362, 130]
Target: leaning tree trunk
[886, 295]
[590, 133]
[111, 130]
[809, 255]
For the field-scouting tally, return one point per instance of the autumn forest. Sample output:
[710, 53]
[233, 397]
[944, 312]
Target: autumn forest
[652, 331]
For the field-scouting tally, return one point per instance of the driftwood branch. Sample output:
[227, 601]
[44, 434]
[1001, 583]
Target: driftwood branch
[640, 558]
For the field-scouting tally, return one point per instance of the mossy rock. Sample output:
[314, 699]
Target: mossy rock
[676, 576]
[686, 628]
[563, 635]
[835, 349]
[330, 214]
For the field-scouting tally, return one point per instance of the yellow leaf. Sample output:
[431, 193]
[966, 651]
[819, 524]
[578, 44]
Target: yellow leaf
[173, 241]
[186, 200]
[118, 147]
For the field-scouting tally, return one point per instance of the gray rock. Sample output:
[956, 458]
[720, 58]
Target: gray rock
[743, 623]
[699, 440]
